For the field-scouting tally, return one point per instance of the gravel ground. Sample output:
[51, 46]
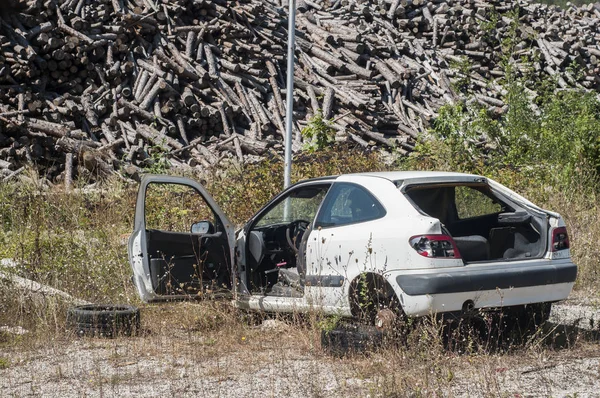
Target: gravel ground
[132, 367]
[274, 362]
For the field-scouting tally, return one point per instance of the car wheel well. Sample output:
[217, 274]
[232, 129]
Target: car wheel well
[369, 293]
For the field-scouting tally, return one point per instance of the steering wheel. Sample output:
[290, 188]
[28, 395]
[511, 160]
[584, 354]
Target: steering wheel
[295, 229]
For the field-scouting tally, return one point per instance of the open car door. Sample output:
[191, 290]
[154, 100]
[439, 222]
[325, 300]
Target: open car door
[182, 243]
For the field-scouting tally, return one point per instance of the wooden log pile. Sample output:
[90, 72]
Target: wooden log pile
[97, 86]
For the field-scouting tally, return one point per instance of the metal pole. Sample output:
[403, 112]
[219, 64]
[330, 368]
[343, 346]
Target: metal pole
[289, 94]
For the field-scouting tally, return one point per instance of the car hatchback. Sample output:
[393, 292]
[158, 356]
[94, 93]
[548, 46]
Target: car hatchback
[356, 245]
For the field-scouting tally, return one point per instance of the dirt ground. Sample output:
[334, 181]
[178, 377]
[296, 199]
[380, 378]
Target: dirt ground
[176, 356]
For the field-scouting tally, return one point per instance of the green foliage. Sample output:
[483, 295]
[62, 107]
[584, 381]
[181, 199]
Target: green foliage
[570, 129]
[488, 27]
[463, 68]
[473, 203]
[575, 71]
[158, 162]
[328, 323]
[185, 207]
[318, 133]
[552, 140]
[543, 131]
[4, 363]
[459, 135]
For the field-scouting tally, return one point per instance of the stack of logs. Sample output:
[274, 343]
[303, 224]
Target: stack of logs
[100, 86]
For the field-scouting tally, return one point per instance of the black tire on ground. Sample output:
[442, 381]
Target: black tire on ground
[349, 339]
[99, 320]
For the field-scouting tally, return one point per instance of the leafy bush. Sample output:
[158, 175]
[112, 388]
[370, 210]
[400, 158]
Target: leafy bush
[318, 133]
[552, 140]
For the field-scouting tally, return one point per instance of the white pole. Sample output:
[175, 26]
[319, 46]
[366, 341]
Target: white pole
[289, 95]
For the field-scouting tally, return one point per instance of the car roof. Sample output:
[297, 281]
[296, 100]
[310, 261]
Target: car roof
[395, 176]
[409, 175]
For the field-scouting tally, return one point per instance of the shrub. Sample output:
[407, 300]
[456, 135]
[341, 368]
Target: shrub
[318, 133]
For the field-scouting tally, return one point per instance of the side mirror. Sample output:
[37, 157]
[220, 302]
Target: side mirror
[202, 227]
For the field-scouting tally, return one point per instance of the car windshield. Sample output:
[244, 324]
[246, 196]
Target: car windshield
[300, 204]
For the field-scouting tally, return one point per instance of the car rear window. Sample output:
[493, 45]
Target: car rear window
[449, 202]
[471, 202]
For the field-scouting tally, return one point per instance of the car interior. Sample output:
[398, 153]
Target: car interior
[484, 226]
[276, 241]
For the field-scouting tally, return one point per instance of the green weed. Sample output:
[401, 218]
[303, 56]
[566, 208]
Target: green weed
[318, 133]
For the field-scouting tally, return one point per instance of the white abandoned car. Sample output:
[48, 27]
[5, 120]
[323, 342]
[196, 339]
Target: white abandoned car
[417, 242]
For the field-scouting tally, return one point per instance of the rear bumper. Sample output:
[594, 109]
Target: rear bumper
[470, 279]
[485, 285]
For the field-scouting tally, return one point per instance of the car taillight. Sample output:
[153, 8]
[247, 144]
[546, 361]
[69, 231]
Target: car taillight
[560, 239]
[435, 246]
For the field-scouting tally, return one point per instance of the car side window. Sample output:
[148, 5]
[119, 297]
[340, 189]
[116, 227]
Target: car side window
[347, 204]
[471, 202]
[175, 207]
[301, 203]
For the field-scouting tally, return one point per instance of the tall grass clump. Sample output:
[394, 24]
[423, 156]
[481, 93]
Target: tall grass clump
[71, 241]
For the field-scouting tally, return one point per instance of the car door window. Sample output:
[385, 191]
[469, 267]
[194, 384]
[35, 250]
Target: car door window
[349, 203]
[275, 238]
[175, 207]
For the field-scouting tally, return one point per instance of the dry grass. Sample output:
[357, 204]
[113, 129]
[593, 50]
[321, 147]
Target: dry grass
[212, 349]
[581, 213]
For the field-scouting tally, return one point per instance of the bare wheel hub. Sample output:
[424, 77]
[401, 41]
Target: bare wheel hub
[385, 319]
